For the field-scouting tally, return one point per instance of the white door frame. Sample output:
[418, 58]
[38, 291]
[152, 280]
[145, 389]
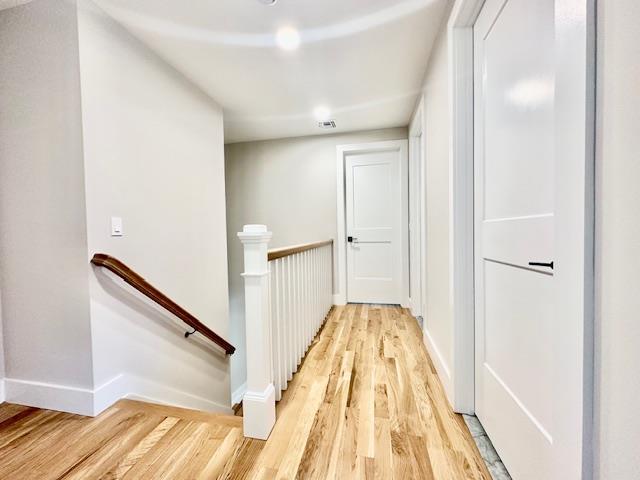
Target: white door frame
[418, 304]
[340, 297]
[574, 221]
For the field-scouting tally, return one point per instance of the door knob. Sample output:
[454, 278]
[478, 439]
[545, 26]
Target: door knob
[542, 264]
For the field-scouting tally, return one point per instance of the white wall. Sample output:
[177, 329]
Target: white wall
[43, 243]
[154, 156]
[290, 186]
[438, 317]
[617, 241]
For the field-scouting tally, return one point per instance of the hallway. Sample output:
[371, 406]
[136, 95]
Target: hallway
[368, 404]
[365, 404]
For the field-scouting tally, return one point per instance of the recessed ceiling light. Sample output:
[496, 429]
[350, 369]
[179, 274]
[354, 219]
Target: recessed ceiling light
[288, 38]
[322, 114]
[268, 2]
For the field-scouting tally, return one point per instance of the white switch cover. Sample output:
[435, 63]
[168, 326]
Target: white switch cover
[116, 227]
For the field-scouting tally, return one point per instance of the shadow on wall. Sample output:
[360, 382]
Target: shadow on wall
[126, 298]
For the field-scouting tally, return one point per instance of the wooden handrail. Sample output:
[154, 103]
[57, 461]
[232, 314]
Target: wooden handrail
[286, 251]
[140, 284]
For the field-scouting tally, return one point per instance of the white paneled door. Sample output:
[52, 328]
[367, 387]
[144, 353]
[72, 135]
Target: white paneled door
[514, 240]
[373, 225]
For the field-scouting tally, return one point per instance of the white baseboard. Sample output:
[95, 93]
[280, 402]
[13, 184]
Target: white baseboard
[441, 366]
[49, 396]
[137, 388]
[92, 402]
[2, 391]
[339, 299]
[238, 393]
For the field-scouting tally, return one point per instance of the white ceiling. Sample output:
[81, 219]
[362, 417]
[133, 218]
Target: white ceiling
[364, 59]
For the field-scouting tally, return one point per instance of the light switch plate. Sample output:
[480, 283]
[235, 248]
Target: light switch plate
[116, 227]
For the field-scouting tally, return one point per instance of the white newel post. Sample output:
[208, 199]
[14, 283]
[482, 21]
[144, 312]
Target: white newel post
[259, 402]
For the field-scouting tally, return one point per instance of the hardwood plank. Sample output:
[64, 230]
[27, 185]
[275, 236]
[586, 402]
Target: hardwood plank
[242, 460]
[317, 460]
[216, 464]
[111, 451]
[8, 411]
[383, 452]
[19, 427]
[35, 459]
[288, 465]
[120, 469]
[349, 464]
[161, 446]
[208, 447]
[177, 412]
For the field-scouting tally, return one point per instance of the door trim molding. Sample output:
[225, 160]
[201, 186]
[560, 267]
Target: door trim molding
[461, 202]
[340, 296]
[416, 131]
[575, 222]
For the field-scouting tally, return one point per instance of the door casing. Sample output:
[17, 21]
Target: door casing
[417, 254]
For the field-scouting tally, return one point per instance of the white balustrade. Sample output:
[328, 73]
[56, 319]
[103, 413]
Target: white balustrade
[287, 300]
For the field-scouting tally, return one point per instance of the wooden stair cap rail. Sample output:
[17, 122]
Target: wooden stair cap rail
[140, 284]
[286, 251]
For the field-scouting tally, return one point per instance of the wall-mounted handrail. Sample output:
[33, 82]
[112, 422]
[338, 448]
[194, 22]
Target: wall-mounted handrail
[276, 253]
[140, 284]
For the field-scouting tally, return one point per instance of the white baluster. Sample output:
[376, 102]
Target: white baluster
[301, 319]
[310, 298]
[296, 303]
[259, 401]
[307, 312]
[275, 323]
[286, 321]
[295, 327]
[324, 282]
[327, 277]
[290, 317]
[300, 310]
[314, 284]
[282, 317]
[290, 320]
[285, 324]
[319, 290]
[316, 288]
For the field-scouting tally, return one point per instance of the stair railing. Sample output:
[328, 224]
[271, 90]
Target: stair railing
[134, 279]
[288, 294]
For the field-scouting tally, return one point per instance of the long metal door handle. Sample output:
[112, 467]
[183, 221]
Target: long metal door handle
[542, 264]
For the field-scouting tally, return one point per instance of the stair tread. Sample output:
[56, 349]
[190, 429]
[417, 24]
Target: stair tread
[179, 412]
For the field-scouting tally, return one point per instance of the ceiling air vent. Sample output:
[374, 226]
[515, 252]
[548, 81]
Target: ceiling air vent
[327, 124]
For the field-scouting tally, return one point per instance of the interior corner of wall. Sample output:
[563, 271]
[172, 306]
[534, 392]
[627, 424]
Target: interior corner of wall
[238, 393]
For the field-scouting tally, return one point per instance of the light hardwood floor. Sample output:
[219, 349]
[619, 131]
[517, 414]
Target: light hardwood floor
[366, 404]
